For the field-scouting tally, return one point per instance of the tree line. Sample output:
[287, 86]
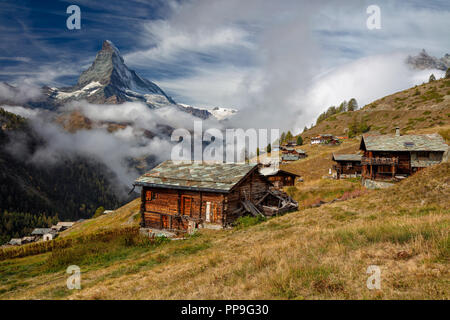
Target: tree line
[34, 195]
[351, 105]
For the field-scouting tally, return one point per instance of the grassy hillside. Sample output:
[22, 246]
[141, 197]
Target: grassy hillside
[311, 254]
[318, 162]
[126, 216]
[32, 192]
[420, 107]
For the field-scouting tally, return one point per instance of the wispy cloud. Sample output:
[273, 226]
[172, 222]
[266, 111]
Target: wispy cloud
[273, 55]
[255, 55]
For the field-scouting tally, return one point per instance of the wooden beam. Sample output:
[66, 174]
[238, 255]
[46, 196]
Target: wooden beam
[251, 179]
[143, 206]
[201, 203]
[222, 212]
[178, 203]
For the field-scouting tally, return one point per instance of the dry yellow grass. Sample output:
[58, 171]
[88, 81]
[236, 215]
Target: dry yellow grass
[320, 253]
[126, 216]
[319, 160]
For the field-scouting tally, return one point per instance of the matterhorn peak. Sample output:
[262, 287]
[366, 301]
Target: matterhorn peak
[109, 48]
[108, 45]
[109, 79]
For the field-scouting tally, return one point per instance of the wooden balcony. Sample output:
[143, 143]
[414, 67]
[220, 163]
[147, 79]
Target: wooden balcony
[379, 161]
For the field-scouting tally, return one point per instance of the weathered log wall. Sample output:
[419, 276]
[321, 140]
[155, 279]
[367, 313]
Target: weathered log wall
[176, 209]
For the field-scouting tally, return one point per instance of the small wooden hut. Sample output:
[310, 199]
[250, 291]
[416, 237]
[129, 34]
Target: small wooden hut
[347, 165]
[289, 154]
[278, 177]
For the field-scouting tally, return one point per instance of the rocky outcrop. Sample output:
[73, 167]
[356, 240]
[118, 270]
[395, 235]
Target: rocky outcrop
[372, 184]
[424, 61]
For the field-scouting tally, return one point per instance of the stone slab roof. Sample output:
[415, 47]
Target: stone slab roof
[290, 157]
[41, 231]
[199, 176]
[417, 142]
[347, 157]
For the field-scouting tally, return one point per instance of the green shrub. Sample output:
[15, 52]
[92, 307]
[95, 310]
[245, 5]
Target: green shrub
[247, 221]
[98, 212]
[291, 191]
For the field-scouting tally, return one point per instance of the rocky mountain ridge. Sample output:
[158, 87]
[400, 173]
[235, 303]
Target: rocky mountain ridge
[424, 61]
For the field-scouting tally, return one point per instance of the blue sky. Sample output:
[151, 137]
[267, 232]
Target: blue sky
[270, 54]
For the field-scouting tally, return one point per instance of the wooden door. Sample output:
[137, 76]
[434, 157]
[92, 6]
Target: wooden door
[186, 205]
[165, 222]
[215, 213]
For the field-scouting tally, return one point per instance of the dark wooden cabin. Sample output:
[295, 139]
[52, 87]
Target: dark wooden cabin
[389, 157]
[185, 196]
[279, 178]
[289, 154]
[347, 165]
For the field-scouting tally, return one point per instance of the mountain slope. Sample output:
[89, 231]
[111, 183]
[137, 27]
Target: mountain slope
[421, 107]
[319, 253]
[71, 188]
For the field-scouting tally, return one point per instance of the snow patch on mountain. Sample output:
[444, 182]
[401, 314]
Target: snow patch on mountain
[86, 90]
[219, 113]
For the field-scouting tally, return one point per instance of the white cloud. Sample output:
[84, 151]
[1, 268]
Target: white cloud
[173, 42]
[21, 111]
[266, 59]
[25, 91]
[366, 80]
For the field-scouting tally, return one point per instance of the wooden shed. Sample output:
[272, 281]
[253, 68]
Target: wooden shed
[396, 156]
[182, 196]
[347, 165]
[289, 154]
[279, 178]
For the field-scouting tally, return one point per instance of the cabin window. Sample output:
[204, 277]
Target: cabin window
[423, 155]
[149, 196]
[208, 211]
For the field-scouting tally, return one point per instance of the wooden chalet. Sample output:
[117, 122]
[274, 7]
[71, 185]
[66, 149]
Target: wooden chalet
[347, 165]
[289, 154]
[291, 143]
[279, 178]
[40, 232]
[61, 226]
[15, 242]
[397, 156]
[179, 196]
[324, 139]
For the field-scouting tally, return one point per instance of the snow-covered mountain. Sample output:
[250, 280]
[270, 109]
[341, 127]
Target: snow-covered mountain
[108, 80]
[218, 113]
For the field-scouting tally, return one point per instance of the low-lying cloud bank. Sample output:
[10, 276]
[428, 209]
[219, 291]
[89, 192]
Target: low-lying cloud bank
[23, 92]
[145, 135]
